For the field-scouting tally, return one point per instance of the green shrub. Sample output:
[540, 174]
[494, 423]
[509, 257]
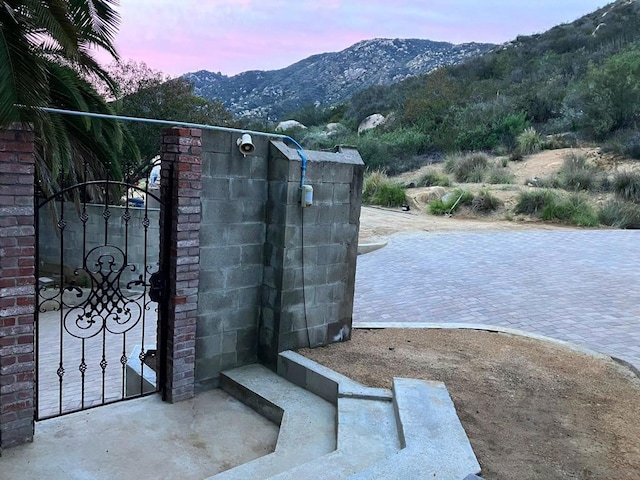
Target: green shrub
[467, 168]
[498, 175]
[374, 153]
[529, 141]
[624, 143]
[549, 206]
[378, 189]
[547, 182]
[620, 214]
[574, 209]
[450, 202]
[626, 186]
[433, 179]
[485, 202]
[516, 155]
[532, 202]
[577, 174]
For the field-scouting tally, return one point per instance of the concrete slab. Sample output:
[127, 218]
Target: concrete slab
[144, 438]
[367, 432]
[307, 429]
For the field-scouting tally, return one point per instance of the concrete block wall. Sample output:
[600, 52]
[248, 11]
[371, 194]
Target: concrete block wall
[310, 253]
[138, 238]
[17, 286]
[232, 236]
[251, 300]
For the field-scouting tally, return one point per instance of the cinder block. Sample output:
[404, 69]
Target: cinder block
[208, 347]
[254, 211]
[246, 234]
[222, 300]
[241, 319]
[212, 280]
[243, 276]
[215, 188]
[331, 254]
[208, 324]
[217, 257]
[216, 141]
[248, 189]
[341, 193]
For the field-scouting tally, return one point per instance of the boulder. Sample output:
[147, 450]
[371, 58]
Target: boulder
[289, 125]
[372, 121]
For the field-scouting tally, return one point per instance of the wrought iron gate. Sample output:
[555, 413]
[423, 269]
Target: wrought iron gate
[100, 301]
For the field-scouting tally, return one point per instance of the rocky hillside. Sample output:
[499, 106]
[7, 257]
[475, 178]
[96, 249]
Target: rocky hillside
[329, 78]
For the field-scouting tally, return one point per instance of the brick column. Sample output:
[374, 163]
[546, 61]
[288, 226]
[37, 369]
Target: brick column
[17, 286]
[181, 186]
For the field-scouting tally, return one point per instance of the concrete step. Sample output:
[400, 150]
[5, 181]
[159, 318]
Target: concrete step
[432, 442]
[307, 422]
[366, 432]
[333, 428]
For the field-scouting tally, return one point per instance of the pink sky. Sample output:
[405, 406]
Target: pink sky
[233, 36]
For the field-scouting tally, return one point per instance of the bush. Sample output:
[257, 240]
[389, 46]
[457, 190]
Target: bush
[620, 214]
[498, 175]
[467, 168]
[433, 179]
[378, 189]
[532, 202]
[626, 186]
[450, 202]
[485, 202]
[574, 209]
[577, 174]
[624, 143]
[547, 182]
[547, 205]
[374, 153]
[529, 141]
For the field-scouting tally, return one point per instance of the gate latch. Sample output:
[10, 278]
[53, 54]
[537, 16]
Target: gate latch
[156, 286]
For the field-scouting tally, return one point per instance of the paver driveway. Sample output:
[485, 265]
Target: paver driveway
[579, 286]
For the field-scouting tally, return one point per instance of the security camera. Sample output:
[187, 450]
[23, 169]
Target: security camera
[245, 144]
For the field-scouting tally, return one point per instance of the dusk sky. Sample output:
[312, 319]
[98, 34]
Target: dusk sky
[233, 36]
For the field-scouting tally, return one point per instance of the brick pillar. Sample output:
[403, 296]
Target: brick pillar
[17, 286]
[181, 186]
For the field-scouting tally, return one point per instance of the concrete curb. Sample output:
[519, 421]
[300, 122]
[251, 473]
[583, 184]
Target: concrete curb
[370, 247]
[486, 328]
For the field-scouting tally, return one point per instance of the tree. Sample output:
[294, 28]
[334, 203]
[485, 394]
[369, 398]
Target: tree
[146, 93]
[45, 61]
[611, 93]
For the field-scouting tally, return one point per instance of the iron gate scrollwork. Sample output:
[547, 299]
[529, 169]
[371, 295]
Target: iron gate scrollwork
[100, 296]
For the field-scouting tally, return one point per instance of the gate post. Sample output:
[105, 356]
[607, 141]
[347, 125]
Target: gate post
[17, 285]
[181, 186]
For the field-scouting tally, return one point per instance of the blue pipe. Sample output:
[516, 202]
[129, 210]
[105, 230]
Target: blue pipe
[303, 157]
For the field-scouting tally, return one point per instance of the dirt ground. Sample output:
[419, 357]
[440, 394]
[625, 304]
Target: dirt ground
[531, 409]
[377, 223]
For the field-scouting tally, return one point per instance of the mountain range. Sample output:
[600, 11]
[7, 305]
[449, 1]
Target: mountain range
[329, 78]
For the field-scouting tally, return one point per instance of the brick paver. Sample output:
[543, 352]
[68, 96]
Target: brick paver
[580, 286]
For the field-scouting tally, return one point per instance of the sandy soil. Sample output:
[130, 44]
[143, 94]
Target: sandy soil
[378, 223]
[531, 409]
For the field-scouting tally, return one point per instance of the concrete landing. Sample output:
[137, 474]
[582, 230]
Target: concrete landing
[144, 438]
[307, 422]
